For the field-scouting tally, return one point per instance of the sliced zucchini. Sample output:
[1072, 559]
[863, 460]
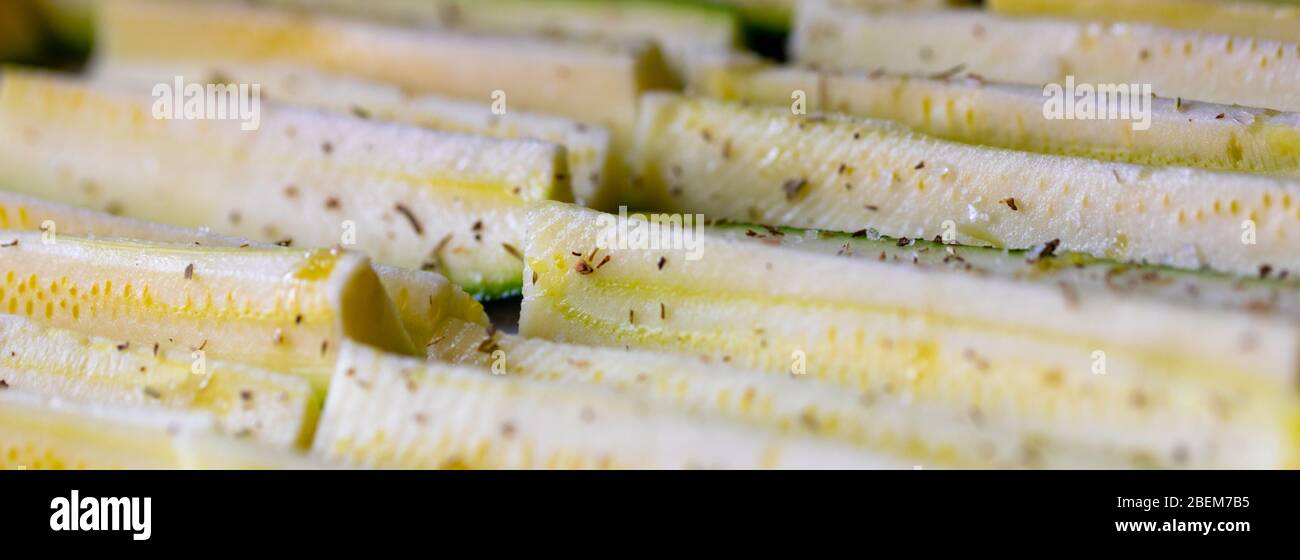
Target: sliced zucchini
[422, 298]
[926, 432]
[1175, 63]
[681, 29]
[265, 406]
[967, 109]
[407, 196]
[392, 412]
[595, 178]
[1059, 360]
[1253, 18]
[41, 433]
[767, 165]
[1273, 295]
[282, 309]
[592, 82]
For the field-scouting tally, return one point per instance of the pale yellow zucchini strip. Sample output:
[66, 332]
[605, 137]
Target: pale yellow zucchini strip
[766, 165]
[282, 309]
[967, 109]
[387, 411]
[41, 433]
[268, 407]
[589, 81]
[405, 195]
[423, 299]
[1251, 18]
[680, 29]
[595, 177]
[1202, 66]
[1065, 363]
[926, 432]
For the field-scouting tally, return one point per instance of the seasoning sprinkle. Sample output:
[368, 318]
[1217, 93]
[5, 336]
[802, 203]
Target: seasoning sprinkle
[123, 346]
[1011, 203]
[663, 311]
[410, 217]
[514, 252]
[13, 243]
[189, 271]
[152, 393]
[793, 188]
[662, 262]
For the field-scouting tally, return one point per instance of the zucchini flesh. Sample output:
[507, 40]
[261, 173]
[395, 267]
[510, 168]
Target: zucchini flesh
[41, 433]
[268, 407]
[1176, 63]
[1249, 19]
[422, 298]
[680, 29]
[967, 109]
[392, 412]
[1013, 351]
[1273, 296]
[281, 309]
[844, 174]
[587, 81]
[594, 176]
[411, 197]
[929, 433]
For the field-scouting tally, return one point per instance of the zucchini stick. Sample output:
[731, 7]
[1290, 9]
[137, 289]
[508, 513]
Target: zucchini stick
[393, 412]
[405, 195]
[595, 177]
[1183, 64]
[264, 406]
[1007, 348]
[281, 309]
[766, 165]
[929, 433]
[422, 298]
[965, 108]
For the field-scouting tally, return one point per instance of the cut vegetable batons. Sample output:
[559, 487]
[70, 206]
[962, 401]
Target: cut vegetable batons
[1183, 64]
[405, 195]
[680, 29]
[1267, 295]
[1063, 362]
[927, 433]
[423, 299]
[588, 81]
[964, 108]
[247, 402]
[589, 153]
[1249, 18]
[388, 411]
[42, 433]
[281, 309]
[767, 165]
